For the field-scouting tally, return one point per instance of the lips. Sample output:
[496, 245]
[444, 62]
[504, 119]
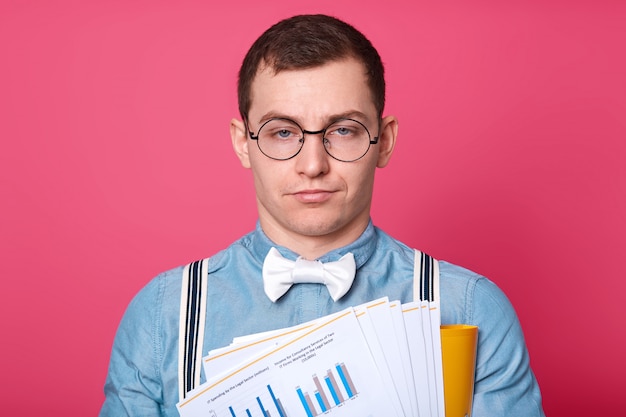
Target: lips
[312, 196]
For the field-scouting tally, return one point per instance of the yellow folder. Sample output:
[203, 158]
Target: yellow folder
[458, 350]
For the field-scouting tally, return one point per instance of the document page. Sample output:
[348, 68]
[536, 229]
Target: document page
[325, 369]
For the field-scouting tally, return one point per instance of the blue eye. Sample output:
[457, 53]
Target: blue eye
[343, 130]
[284, 133]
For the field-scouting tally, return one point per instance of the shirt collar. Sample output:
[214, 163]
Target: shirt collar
[362, 248]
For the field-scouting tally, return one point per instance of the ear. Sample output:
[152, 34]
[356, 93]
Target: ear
[386, 140]
[239, 137]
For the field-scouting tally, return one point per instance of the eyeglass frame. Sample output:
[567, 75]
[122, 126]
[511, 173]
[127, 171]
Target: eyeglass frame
[311, 132]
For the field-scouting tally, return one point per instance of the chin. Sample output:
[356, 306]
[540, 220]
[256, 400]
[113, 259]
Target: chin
[313, 230]
[317, 227]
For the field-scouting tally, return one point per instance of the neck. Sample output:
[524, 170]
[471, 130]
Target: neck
[312, 246]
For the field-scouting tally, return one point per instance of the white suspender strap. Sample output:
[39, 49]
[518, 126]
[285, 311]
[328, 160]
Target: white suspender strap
[425, 278]
[193, 297]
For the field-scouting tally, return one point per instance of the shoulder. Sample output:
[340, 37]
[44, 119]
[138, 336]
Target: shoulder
[167, 283]
[165, 287]
[458, 280]
[468, 297]
[160, 293]
[241, 248]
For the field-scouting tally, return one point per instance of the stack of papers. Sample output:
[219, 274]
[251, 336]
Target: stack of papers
[380, 359]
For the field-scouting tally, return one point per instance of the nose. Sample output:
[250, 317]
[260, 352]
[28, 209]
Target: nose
[312, 160]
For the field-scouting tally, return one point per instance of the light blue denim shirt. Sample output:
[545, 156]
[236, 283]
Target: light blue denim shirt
[142, 378]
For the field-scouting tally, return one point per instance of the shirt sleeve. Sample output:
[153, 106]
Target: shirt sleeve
[133, 386]
[504, 384]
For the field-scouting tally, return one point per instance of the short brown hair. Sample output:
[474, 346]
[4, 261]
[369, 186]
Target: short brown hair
[308, 41]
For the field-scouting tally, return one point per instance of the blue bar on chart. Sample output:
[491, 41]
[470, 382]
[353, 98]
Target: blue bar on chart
[306, 402]
[277, 403]
[320, 395]
[262, 411]
[346, 379]
[332, 387]
[331, 383]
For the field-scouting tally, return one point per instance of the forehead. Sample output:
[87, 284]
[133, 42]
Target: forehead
[312, 94]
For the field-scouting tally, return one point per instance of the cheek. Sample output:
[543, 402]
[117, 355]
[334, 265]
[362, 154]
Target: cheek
[360, 184]
[268, 178]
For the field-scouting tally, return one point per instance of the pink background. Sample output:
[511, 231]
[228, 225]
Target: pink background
[116, 164]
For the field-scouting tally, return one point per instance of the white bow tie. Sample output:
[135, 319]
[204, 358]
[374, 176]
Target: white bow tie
[279, 274]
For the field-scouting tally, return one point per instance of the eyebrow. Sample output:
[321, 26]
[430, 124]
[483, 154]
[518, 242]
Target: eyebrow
[350, 114]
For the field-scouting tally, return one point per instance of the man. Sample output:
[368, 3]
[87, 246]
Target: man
[312, 131]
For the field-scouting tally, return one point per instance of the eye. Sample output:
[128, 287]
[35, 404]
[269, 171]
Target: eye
[284, 133]
[345, 129]
[339, 131]
[342, 130]
[281, 129]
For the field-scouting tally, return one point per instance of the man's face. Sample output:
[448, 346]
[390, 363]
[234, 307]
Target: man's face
[313, 197]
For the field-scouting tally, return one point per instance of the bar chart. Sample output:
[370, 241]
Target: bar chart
[333, 389]
[265, 405]
[329, 371]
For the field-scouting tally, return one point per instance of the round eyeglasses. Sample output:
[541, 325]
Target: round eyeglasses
[345, 140]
